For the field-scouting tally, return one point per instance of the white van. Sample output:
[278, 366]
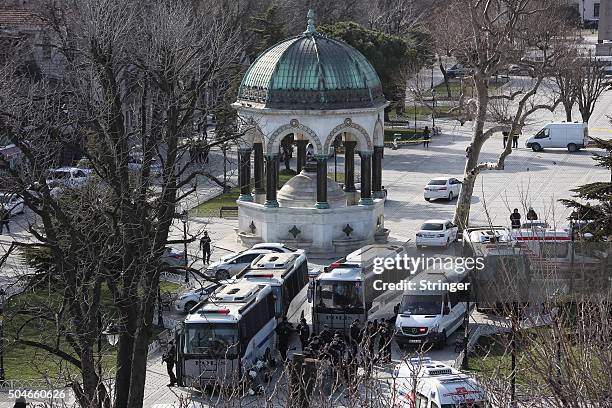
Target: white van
[437, 386]
[573, 136]
[432, 307]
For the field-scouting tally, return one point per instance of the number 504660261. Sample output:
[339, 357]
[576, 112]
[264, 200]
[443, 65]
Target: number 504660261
[36, 394]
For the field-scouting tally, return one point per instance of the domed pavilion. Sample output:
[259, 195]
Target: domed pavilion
[319, 90]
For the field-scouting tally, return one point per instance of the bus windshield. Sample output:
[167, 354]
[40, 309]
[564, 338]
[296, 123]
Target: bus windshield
[212, 340]
[339, 296]
[421, 305]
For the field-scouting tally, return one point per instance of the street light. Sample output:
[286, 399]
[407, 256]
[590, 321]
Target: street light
[112, 334]
[184, 219]
[2, 301]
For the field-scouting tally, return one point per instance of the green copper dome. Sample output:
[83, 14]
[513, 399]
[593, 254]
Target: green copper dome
[311, 72]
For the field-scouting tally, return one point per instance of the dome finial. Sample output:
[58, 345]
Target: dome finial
[310, 28]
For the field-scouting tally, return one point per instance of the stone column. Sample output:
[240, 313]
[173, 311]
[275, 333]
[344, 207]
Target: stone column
[301, 154]
[366, 178]
[271, 179]
[349, 165]
[321, 182]
[259, 169]
[244, 174]
[278, 164]
[377, 172]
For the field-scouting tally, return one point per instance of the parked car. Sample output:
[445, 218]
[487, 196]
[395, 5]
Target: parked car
[11, 202]
[187, 300]
[67, 177]
[439, 233]
[573, 136]
[458, 70]
[173, 257]
[442, 187]
[135, 164]
[231, 264]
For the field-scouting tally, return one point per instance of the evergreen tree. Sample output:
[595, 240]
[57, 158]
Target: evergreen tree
[595, 205]
[267, 27]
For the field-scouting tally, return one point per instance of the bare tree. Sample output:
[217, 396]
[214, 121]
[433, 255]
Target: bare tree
[591, 82]
[136, 75]
[488, 36]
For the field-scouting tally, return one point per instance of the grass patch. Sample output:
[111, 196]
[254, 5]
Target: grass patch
[211, 207]
[169, 287]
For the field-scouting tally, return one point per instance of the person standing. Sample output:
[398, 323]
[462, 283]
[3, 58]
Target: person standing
[505, 135]
[304, 332]
[205, 247]
[326, 334]
[515, 219]
[532, 215]
[283, 331]
[355, 335]
[5, 216]
[382, 339]
[515, 139]
[426, 137]
[169, 358]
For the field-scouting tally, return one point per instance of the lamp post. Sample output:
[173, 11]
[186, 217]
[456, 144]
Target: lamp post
[433, 111]
[2, 301]
[160, 316]
[184, 218]
[112, 334]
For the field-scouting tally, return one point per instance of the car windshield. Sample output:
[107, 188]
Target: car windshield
[437, 183]
[5, 198]
[421, 304]
[59, 175]
[339, 296]
[212, 340]
[432, 226]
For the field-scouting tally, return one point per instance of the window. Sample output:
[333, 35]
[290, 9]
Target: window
[543, 134]
[434, 405]
[420, 401]
[448, 225]
[246, 258]
[432, 227]
[596, 10]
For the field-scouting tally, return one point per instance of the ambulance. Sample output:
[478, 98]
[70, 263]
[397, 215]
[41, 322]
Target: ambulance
[424, 383]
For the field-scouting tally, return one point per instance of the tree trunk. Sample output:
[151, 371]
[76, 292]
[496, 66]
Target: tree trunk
[464, 201]
[445, 76]
[568, 112]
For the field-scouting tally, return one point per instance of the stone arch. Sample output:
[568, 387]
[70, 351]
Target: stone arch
[292, 127]
[252, 134]
[357, 130]
[379, 133]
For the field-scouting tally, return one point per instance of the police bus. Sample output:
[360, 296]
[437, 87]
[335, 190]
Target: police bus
[347, 289]
[226, 335]
[286, 273]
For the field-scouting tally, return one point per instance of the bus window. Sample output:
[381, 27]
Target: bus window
[339, 296]
[212, 340]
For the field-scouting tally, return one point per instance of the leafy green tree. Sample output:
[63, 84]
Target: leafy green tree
[595, 205]
[390, 55]
[268, 28]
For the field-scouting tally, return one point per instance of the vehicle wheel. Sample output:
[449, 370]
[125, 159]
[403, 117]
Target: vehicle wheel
[572, 148]
[427, 199]
[442, 340]
[189, 306]
[222, 274]
[536, 147]
[419, 246]
[451, 196]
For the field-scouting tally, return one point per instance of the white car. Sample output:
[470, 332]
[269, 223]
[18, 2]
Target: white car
[439, 233]
[442, 187]
[231, 264]
[67, 177]
[135, 164]
[187, 300]
[11, 202]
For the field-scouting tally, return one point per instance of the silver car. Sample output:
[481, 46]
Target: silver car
[231, 264]
[187, 300]
[11, 202]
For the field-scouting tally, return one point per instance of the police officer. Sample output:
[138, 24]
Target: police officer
[283, 330]
[205, 247]
[169, 358]
[355, 335]
[304, 332]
